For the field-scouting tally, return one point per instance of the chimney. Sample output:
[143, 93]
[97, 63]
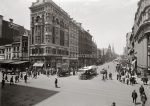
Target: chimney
[11, 20]
[88, 30]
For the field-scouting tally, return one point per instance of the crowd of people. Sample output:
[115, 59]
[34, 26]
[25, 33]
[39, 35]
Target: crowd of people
[128, 76]
[17, 77]
[13, 79]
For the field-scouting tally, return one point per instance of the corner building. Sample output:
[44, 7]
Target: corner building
[141, 31]
[49, 40]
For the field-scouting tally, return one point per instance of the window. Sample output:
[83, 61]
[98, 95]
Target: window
[48, 38]
[38, 39]
[48, 50]
[14, 49]
[53, 35]
[32, 20]
[41, 50]
[17, 48]
[62, 38]
[33, 51]
[56, 31]
[54, 51]
[37, 19]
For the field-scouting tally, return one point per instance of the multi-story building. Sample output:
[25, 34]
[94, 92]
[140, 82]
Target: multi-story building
[9, 31]
[73, 43]
[49, 40]
[16, 50]
[2, 53]
[141, 32]
[94, 52]
[13, 41]
[85, 48]
[128, 44]
[128, 49]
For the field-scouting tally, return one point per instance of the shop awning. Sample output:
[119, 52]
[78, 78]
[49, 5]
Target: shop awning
[38, 64]
[19, 62]
[6, 61]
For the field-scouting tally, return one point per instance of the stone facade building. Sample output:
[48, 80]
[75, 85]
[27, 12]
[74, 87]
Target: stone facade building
[141, 32]
[85, 48]
[49, 40]
[73, 43]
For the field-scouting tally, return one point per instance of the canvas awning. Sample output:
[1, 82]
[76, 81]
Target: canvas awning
[38, 64]
[6, 61]
[19, 62]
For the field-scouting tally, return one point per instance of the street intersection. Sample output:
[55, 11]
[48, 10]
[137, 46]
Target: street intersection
[95, 92]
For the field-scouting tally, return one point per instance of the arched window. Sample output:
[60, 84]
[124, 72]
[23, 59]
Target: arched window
[37, 19]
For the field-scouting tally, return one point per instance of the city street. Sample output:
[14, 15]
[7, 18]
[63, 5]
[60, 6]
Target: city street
[75, 92]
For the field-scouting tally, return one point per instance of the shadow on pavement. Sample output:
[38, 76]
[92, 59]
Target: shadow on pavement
[138, 103]
[17, 95]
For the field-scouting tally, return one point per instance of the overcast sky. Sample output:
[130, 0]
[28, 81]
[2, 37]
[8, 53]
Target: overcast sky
[107, 20]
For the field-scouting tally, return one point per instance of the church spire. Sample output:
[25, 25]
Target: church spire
[113, 50]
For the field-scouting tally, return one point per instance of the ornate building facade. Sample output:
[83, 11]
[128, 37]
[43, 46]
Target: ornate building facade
[141, 32]
[49, 40]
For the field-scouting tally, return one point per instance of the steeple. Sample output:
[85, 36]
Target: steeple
[113, 50]
[109, 48]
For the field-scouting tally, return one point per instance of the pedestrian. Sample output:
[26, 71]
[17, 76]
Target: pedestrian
[117, 76]
[131, 80]
[146, 80]
[143, 98]
[113, 104]
[16, 78]
[6, 78]
[56, 81]
[123, 79]
[110, 76]
[134, 96]
[103, 78]
[11, 80]
[3, 73]
[141, 90]
[106, 74]
[127, 81]
[21, 76]
[3, 82]
[25, 78]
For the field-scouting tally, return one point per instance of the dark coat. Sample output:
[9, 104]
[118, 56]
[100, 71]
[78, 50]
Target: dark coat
[134, 95]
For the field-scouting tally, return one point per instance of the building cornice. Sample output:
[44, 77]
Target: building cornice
[141, 28]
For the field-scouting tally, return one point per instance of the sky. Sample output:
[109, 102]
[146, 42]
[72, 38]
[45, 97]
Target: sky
[107, 20]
